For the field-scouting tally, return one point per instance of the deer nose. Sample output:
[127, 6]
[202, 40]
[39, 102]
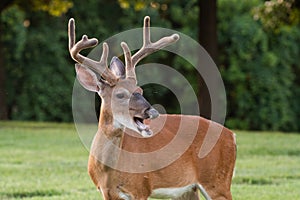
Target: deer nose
[152, 113]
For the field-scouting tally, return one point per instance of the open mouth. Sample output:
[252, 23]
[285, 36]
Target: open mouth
[140, 123]
[143, 128]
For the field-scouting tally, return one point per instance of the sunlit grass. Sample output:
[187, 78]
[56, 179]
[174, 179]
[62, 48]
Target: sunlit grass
[43, 161]
[48, 161]
[268, 166]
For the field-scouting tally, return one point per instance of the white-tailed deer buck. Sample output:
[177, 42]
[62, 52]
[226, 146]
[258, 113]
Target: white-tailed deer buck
[205, 150]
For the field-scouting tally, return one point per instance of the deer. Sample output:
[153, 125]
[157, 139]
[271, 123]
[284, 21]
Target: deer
[129, 125]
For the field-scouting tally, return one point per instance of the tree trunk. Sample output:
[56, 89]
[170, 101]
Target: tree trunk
[208, 40]
[5, 3]
[3, 105]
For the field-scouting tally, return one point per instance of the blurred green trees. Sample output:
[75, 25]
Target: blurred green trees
[9, 19]
[260, 64]
[258, 56]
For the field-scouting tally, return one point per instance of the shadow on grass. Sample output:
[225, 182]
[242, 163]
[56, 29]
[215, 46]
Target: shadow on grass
[26, 194]
[253, 181]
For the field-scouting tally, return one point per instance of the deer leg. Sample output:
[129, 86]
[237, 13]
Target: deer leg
[219, 194]
[188, 196]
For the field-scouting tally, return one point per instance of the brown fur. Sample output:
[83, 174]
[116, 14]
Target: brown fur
[214, 172]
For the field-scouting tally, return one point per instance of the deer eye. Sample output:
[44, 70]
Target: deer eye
[120, 95]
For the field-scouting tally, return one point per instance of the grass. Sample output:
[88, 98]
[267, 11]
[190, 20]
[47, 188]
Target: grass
[268, 166]
[43, 161]
[48, 161]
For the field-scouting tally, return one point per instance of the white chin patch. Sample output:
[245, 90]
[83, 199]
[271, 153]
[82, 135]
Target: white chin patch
[146, 133]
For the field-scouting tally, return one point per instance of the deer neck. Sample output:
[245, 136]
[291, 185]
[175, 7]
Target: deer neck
[107, 142]
[108, 126]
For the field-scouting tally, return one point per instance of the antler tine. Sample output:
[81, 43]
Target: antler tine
[130, 72]
[75, 48]
[149, 47]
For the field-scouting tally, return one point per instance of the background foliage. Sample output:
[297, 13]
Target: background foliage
[258, 55]
[260, 67]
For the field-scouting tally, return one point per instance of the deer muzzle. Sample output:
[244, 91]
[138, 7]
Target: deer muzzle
[152, 113]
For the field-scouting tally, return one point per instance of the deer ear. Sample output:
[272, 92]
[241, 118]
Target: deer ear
[117, 67]
[87, 78]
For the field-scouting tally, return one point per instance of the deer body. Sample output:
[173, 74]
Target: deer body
[176, 155]
[214, 172]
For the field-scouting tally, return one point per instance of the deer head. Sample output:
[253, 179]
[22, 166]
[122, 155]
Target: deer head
[123, 104]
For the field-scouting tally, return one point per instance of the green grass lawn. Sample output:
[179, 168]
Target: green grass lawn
[48, 161]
